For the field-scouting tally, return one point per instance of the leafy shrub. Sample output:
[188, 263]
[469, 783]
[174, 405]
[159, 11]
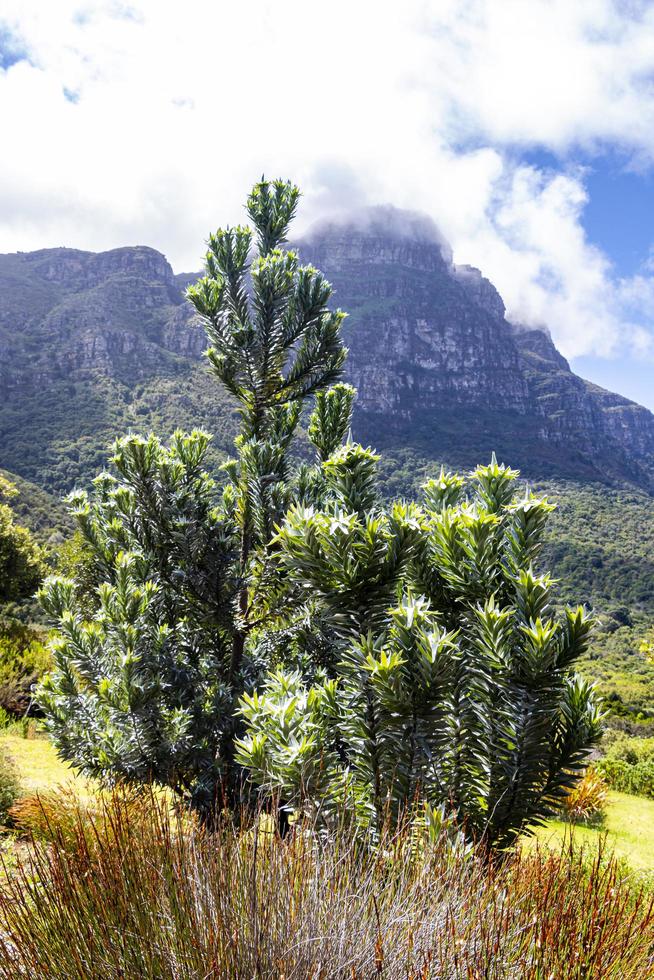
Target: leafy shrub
[630, 750]
[24, 659]
[9, 786]
[163, 899]
[625, 778]
[146, 679]
[422, 656]
[23, 727]
[586, 801]
[21, 559]
[628, 765]
[450, 674]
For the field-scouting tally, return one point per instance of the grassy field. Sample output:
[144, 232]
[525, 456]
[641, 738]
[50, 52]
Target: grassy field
[628, 826]
[38, 765]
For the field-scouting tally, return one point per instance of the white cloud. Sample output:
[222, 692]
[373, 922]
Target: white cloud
[147, 121]
[550, 72]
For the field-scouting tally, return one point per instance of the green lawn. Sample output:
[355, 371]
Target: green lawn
[628, 827]
[38, 765]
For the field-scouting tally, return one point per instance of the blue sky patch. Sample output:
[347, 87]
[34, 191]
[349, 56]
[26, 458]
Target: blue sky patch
[12, 48]
[626, 375]
[618, 216]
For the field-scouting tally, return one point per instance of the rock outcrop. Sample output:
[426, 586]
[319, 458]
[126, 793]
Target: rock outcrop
[429, 342]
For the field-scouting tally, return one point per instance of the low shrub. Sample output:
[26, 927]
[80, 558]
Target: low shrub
[586, 801]
[165, 899]
[24, 727]
[625, 778]
[628, 765]
[9, 785]
[24, 659]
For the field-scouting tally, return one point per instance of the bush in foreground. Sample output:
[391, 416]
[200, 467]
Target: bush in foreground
[419, 653]
[461, 694]
[154, 642]
[163, 898]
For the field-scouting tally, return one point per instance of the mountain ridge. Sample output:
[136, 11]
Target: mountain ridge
[92, 344]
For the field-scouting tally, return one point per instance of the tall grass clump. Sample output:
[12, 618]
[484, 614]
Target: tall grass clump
[163, 898]
[586, 801]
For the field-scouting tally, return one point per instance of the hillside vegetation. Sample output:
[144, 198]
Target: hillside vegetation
[62, 441]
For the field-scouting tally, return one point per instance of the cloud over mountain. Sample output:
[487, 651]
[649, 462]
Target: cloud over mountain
[145, 122]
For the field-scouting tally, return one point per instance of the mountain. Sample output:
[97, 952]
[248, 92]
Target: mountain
[90, 346]
[437, 363]
[94, 344]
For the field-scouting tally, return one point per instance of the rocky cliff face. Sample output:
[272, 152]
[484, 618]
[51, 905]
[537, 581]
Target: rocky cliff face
[420, 329]
[94, 343]
[429, 341]
[67, 313]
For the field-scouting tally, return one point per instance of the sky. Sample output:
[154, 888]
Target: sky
[524, 128]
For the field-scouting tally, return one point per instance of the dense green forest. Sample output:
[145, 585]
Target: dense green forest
[63, 442]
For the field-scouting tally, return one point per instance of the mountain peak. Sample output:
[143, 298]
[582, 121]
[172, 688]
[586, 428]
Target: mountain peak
[382, 222]
[78, 269]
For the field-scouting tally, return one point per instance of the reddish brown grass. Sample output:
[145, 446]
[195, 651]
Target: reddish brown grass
[132, 891]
